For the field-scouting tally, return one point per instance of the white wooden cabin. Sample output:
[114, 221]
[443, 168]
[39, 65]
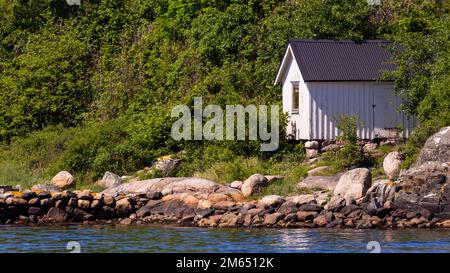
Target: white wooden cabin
[323, 79]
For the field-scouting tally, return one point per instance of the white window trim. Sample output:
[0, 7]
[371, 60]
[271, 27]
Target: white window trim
[293, 85]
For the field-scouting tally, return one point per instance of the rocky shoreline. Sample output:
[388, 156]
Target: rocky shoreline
[418, 198]
[207, 204]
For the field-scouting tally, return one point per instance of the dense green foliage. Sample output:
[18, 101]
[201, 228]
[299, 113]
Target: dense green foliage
[89, 88]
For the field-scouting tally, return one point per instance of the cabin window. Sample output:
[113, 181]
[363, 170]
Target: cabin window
[295, 98]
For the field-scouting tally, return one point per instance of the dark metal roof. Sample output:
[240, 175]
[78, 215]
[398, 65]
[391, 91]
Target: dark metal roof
[327, 60]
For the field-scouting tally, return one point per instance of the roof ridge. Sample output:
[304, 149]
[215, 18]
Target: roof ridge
[338, 41]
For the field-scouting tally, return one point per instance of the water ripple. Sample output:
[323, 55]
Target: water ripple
[182, 239]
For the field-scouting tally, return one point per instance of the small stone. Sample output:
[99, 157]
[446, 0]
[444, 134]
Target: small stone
[389, 205]
[204, 213]
[46, 203]
[303, 199]
[288, 207]
[370, 147]
[229, 220]
[311, 153]
[254, 184]
[108, 200]
[84, 204]
[304, 216]
[57, 195]
[16, 201]
[63, 180]
[35, 211]
[310, 207]
[80, 215]
[85, 195]
[60, 204]
[124, 207]
[105, 213]
[96, 204]
[126, 221]
[34, 202]
[292, 217]
[271, 201]
[44, 195]
[45, 187]
[109, 180]
[204, 204]
[154, 195]
[392, 163]
[272, 219]
[331, 147]
[73, 202]
[237, 184]
[336, 203]
[218, 197]
[56, 215]
[312, 145]
[224, 205]
[321, 220]
[28, 195]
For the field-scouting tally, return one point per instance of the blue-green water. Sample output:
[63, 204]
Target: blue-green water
[181, 239]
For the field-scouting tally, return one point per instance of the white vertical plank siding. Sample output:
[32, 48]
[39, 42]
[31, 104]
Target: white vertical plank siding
[330, 99]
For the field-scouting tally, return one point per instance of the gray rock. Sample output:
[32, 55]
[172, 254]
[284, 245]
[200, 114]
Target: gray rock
[63, 180]
[304, 216]
[288, 207]
[124, 207]
[370, 147]
[236, 184]
[166, 185]
[292, 217]
[354, 183]
[79, 215]
[302, 199]
[436, 148]
[381, 191]
[271, 201]
[154, 195]
[35, 211]
[110, 180]
[272, 219]
[45, 187]
[168, 167]
[311, 153]
[55, 215]
[4, 189]
[105, 213]
[331, 147]
[312, 145]
[310, 207]
[320, 182]
[391, 164]
[254, 184]
[336, 203]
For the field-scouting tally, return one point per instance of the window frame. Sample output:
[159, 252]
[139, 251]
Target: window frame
[295, 99]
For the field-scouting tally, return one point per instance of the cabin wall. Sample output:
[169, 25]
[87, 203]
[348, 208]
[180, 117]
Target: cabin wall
[374, 104]
[298, 124]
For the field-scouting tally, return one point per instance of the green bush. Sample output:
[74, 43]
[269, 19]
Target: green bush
[351, 154]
